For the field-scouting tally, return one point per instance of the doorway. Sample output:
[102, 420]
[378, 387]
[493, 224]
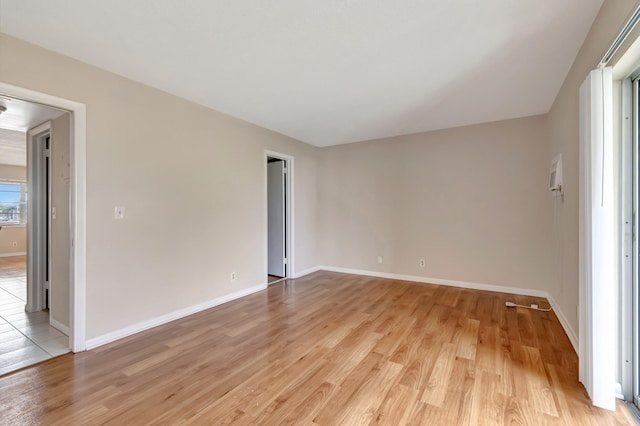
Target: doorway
[279, 169]
[34, 309]
[77, 202]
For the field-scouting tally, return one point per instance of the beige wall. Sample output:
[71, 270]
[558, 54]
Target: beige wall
[60, 230]
[10, 172]
[471, 201]
[13, 234]
[191, 179]
[563, 136]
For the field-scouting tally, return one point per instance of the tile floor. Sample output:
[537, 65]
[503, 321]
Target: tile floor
[25, 338]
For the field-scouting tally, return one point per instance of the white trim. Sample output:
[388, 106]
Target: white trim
[154, 322]
[22, 253]
[59, 326]
[306, 272]
[619, 394]
[439, 281]
[598, 285]
[36, 217]
[78, 204]
[78, 231]
[571, 333]
[171, 316]
[621, 37]
[290, 213]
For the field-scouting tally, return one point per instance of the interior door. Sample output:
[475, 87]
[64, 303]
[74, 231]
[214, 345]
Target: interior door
[37, 214]
[276, 218]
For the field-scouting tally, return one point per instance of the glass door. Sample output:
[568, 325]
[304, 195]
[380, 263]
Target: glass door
[634, 328]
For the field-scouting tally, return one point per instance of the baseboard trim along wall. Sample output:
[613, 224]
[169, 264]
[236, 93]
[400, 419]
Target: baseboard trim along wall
[306, 272]
[463, 284]
[573, 336]
[22, 253]
[59, 326]
[171, 316]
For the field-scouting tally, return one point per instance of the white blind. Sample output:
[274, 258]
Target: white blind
[597, 273]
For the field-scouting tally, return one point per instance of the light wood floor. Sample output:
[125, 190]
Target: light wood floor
[273, 278]
[324, 349]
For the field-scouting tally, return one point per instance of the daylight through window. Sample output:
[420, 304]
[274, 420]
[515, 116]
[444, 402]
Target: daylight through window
[13, 203]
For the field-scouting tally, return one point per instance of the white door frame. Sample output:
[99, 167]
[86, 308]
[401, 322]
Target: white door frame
[78, 145]
[289, 213]
[37, 213]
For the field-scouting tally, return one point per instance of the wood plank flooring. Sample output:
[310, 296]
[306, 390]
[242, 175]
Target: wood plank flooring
[324, 349]
[273, 278]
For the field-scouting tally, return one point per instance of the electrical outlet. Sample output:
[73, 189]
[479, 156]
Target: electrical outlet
[14, 244]
[379, 259]
[423, 263]
[119, 212]
[233, 276]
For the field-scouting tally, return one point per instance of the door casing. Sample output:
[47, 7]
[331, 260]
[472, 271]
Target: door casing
[37, 217]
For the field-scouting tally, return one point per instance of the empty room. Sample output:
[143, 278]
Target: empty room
[319, 213]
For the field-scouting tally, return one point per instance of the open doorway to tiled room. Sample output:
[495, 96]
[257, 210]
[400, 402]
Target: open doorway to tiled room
[34, 233]
[25, 337]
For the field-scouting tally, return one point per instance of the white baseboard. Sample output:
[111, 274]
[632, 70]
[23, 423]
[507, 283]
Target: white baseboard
[306, 272]
[439, 281]
[171, 316]
[59, 326]
[573, 336]
[464, 284]
[22, 253]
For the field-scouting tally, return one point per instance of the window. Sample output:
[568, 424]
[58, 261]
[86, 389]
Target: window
[13, 203]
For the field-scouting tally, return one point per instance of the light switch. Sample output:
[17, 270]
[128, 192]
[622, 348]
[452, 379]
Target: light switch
[119, 212]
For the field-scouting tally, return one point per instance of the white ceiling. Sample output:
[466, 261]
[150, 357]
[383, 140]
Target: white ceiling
[332, 71]
[22, 116]
[13, 147]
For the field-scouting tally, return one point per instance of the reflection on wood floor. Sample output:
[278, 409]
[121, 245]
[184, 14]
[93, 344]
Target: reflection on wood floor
[324, 349]
[25, 338]
[272, 279]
